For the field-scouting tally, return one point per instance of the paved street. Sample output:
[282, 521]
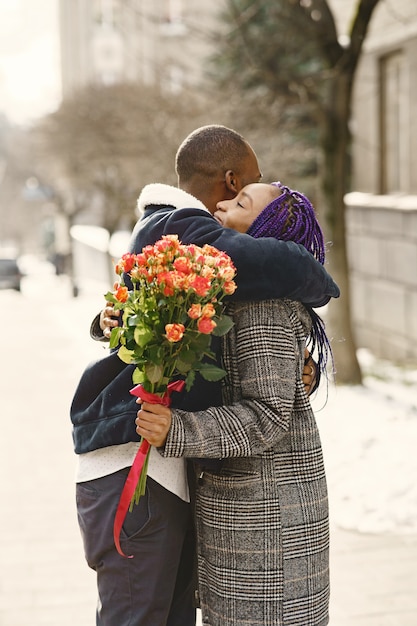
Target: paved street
[44, 579]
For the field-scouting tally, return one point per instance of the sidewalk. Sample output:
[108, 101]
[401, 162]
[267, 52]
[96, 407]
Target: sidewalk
[374, 579]
[44, 580]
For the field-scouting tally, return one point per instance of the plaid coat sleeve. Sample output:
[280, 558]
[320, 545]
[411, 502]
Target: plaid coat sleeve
[262, 356]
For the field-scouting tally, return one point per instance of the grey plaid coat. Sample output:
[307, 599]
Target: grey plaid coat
[262, 520]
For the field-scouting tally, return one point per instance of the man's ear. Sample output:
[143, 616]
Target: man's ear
[231, 181]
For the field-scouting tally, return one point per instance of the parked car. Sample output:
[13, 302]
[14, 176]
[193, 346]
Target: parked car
[10, 274]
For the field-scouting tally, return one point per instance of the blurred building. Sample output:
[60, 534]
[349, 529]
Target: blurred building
[382, 209]
[24, 199]
[167, 42]
[109, 41]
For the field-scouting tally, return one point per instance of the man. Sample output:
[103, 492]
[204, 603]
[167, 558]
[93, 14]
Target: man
[155, 587]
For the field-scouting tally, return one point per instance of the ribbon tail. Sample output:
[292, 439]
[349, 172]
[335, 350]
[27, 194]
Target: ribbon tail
[127, 494]
[176, 385]
[135, 471]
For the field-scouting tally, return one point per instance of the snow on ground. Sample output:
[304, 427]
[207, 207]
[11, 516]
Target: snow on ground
[369, 437]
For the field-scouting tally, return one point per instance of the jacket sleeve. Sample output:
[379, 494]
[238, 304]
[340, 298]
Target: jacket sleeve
[266, 268]
[265, 358]
[95, 331]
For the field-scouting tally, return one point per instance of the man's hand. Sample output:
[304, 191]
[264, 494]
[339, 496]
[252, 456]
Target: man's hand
[309, 372]
[153, 423]
[109, 319]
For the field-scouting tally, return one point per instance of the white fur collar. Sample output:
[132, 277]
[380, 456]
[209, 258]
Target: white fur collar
[157, 193]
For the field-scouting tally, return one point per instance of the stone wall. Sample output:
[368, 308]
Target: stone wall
[382, 248]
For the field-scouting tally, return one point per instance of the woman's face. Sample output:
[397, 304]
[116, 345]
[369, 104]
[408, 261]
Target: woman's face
[240, 212]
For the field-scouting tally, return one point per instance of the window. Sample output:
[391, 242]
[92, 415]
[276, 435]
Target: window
[394, 124]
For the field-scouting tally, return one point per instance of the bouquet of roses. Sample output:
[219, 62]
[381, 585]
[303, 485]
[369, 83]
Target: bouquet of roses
[168, 318]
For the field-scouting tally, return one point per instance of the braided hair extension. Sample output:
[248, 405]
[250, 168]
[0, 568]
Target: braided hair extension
[291, 217]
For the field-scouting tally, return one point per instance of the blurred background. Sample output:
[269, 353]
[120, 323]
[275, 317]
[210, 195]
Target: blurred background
[96, 95]
[95, 98]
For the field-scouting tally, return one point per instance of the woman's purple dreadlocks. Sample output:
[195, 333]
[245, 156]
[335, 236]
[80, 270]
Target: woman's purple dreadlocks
[291, 217]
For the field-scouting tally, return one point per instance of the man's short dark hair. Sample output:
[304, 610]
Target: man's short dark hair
[210, 150]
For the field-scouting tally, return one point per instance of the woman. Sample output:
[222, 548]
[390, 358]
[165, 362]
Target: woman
[262, 518]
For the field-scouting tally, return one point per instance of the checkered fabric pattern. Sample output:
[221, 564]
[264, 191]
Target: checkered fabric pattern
[262, 520]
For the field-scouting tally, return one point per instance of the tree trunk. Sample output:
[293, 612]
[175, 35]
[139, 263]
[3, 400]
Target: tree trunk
[334, 177]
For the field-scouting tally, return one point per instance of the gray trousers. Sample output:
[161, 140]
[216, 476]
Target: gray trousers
[155, 588]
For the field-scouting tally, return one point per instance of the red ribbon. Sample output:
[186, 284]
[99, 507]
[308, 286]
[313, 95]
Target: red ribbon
[135, 471]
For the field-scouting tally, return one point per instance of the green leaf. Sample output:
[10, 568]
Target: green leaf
[142, 335]
[200, 342]
[182, 366]
[188, 356]
[138, 376]
[125, 355]
[189, 381]
[156, 354]
[115, 337]
[210, 372]
[138, 359]
[133, 320]
[110, 297]
[224, 324]
[153, 372]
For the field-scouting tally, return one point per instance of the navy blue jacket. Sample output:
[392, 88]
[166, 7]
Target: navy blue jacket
[103, 412]
[266, 268]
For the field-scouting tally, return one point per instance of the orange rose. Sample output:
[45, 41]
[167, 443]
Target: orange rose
[229, 287]
[210, 250]
[122, 293]
[174, 332]
[165, 279]
[207, 272]
[147, 252]
[162, 245]
[141, 259]
[168, 290]
[201, 286]
[194, 311]
[199, 258]
[179, 280]
[183, 265]
[206, 325]
[208, 310]
[125, 264]
[191, 249]
[226, 272]
[137, 273]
